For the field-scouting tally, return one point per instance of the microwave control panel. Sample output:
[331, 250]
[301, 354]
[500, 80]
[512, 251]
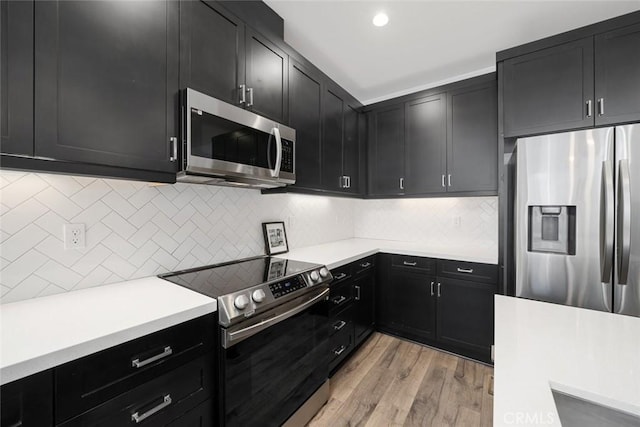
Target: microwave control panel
[287, 156]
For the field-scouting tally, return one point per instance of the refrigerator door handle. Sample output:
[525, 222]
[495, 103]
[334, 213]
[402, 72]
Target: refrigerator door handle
[606, 222]
[624, 221]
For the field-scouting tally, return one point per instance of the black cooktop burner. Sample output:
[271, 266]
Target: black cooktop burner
[219, 280]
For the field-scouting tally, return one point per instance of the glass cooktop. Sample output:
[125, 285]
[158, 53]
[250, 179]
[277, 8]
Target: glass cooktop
[218, 280]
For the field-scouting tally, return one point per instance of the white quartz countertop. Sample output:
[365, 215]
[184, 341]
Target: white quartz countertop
[341, 252]
[41, 333]
[587, 353]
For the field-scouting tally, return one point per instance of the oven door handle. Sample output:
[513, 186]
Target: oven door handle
[232, 337]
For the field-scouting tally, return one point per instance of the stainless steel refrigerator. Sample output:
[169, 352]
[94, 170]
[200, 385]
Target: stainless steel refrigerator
[577, 219]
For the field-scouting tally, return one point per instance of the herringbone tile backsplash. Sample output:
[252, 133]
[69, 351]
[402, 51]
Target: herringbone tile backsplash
[136, 229]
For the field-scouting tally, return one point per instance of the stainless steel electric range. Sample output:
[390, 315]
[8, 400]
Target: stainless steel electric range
[273, 337]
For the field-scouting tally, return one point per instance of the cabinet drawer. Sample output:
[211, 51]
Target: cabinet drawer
[340, 274]
[340, 296]
[159, 401]
[426, 265]
[85, 383]
[364, 265]
[341, 321]
[341, 344]
[484, 273]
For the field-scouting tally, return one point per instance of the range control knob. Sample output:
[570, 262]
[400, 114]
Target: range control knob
[258, 295]
[324, 272]
[241, 302]
[314, 276]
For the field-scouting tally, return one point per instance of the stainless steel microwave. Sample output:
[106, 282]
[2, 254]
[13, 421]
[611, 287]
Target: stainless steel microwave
[226, 145]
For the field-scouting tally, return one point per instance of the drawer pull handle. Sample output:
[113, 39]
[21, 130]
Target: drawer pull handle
[340, 276]
[410, 264]
[432, 293]
[136, 363]
[339, 351]
[365, 265]
[166, 401]
[340, 300]
[340, 325]
[465, 270]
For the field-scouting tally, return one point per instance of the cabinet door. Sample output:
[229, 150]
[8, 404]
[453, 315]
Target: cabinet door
[16, 77]
[472, 139]
[465, 314]
[333, 119]
[305, 116]
[618, 76]
[386, 142]
[425, 145]
[411, 306]
[266, 71]
[363, 292]
[548, 90]
[28, 402]
[351, 149]
[211, 50]
[106, 82]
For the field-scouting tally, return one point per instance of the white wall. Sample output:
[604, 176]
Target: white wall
[136, 229]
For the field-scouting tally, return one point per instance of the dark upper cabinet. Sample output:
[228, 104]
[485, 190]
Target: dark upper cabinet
[211, 50]
[305, 116]
[28, 402]
[465, 314]
[16, 77]
[549, 90]
[386, 145]
[351, 149]
[266, 77]
[617, 76]
[333, 134]
[472, 135]
[425, 145]
[106, 82]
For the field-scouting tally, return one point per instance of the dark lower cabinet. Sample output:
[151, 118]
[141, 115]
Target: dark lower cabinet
[617, 76]
[452, 310]
[28, 402]
[106, 82]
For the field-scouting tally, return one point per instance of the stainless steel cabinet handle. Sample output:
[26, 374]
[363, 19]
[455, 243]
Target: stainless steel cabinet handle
[624, 221]
[365, 265]
[443, 181]
[174, 149]
[432, 293]
[243, 96]
[606, 221]
[601, 107]
[589, 109]
[449, 180]
[348, 181]
[340, 300]
[340, 350]
[166, 401]
[402, 183]
[357, 288]
[339, 325]
[340, 276]
[250, 103]
[342, 182]
[410, 264]
[465, 270]
[439, 289]
[136, 363]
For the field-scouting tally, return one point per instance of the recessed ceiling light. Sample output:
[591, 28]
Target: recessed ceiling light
[380, 20]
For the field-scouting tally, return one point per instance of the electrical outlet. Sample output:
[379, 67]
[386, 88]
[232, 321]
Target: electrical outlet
[457, 221]
[74, 237]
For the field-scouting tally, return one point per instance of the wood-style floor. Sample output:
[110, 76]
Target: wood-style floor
[391, 382]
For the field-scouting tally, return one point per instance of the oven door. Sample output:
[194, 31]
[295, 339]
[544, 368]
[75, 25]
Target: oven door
[270, 369]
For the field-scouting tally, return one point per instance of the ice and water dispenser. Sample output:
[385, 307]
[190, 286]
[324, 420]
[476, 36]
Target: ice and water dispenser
[552, 229]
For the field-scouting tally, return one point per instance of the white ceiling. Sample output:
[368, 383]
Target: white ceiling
[426, 43]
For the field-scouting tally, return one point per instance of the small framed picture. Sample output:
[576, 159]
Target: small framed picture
[275, 238]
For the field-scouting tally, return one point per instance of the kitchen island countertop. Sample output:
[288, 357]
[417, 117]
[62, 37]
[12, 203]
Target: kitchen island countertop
[41, 333]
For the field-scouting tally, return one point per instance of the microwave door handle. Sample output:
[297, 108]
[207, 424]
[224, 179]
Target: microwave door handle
[276, 170]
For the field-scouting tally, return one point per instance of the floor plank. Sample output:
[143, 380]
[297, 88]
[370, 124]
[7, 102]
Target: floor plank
[392, 382]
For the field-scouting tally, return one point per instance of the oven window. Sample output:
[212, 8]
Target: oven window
[268, 376]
